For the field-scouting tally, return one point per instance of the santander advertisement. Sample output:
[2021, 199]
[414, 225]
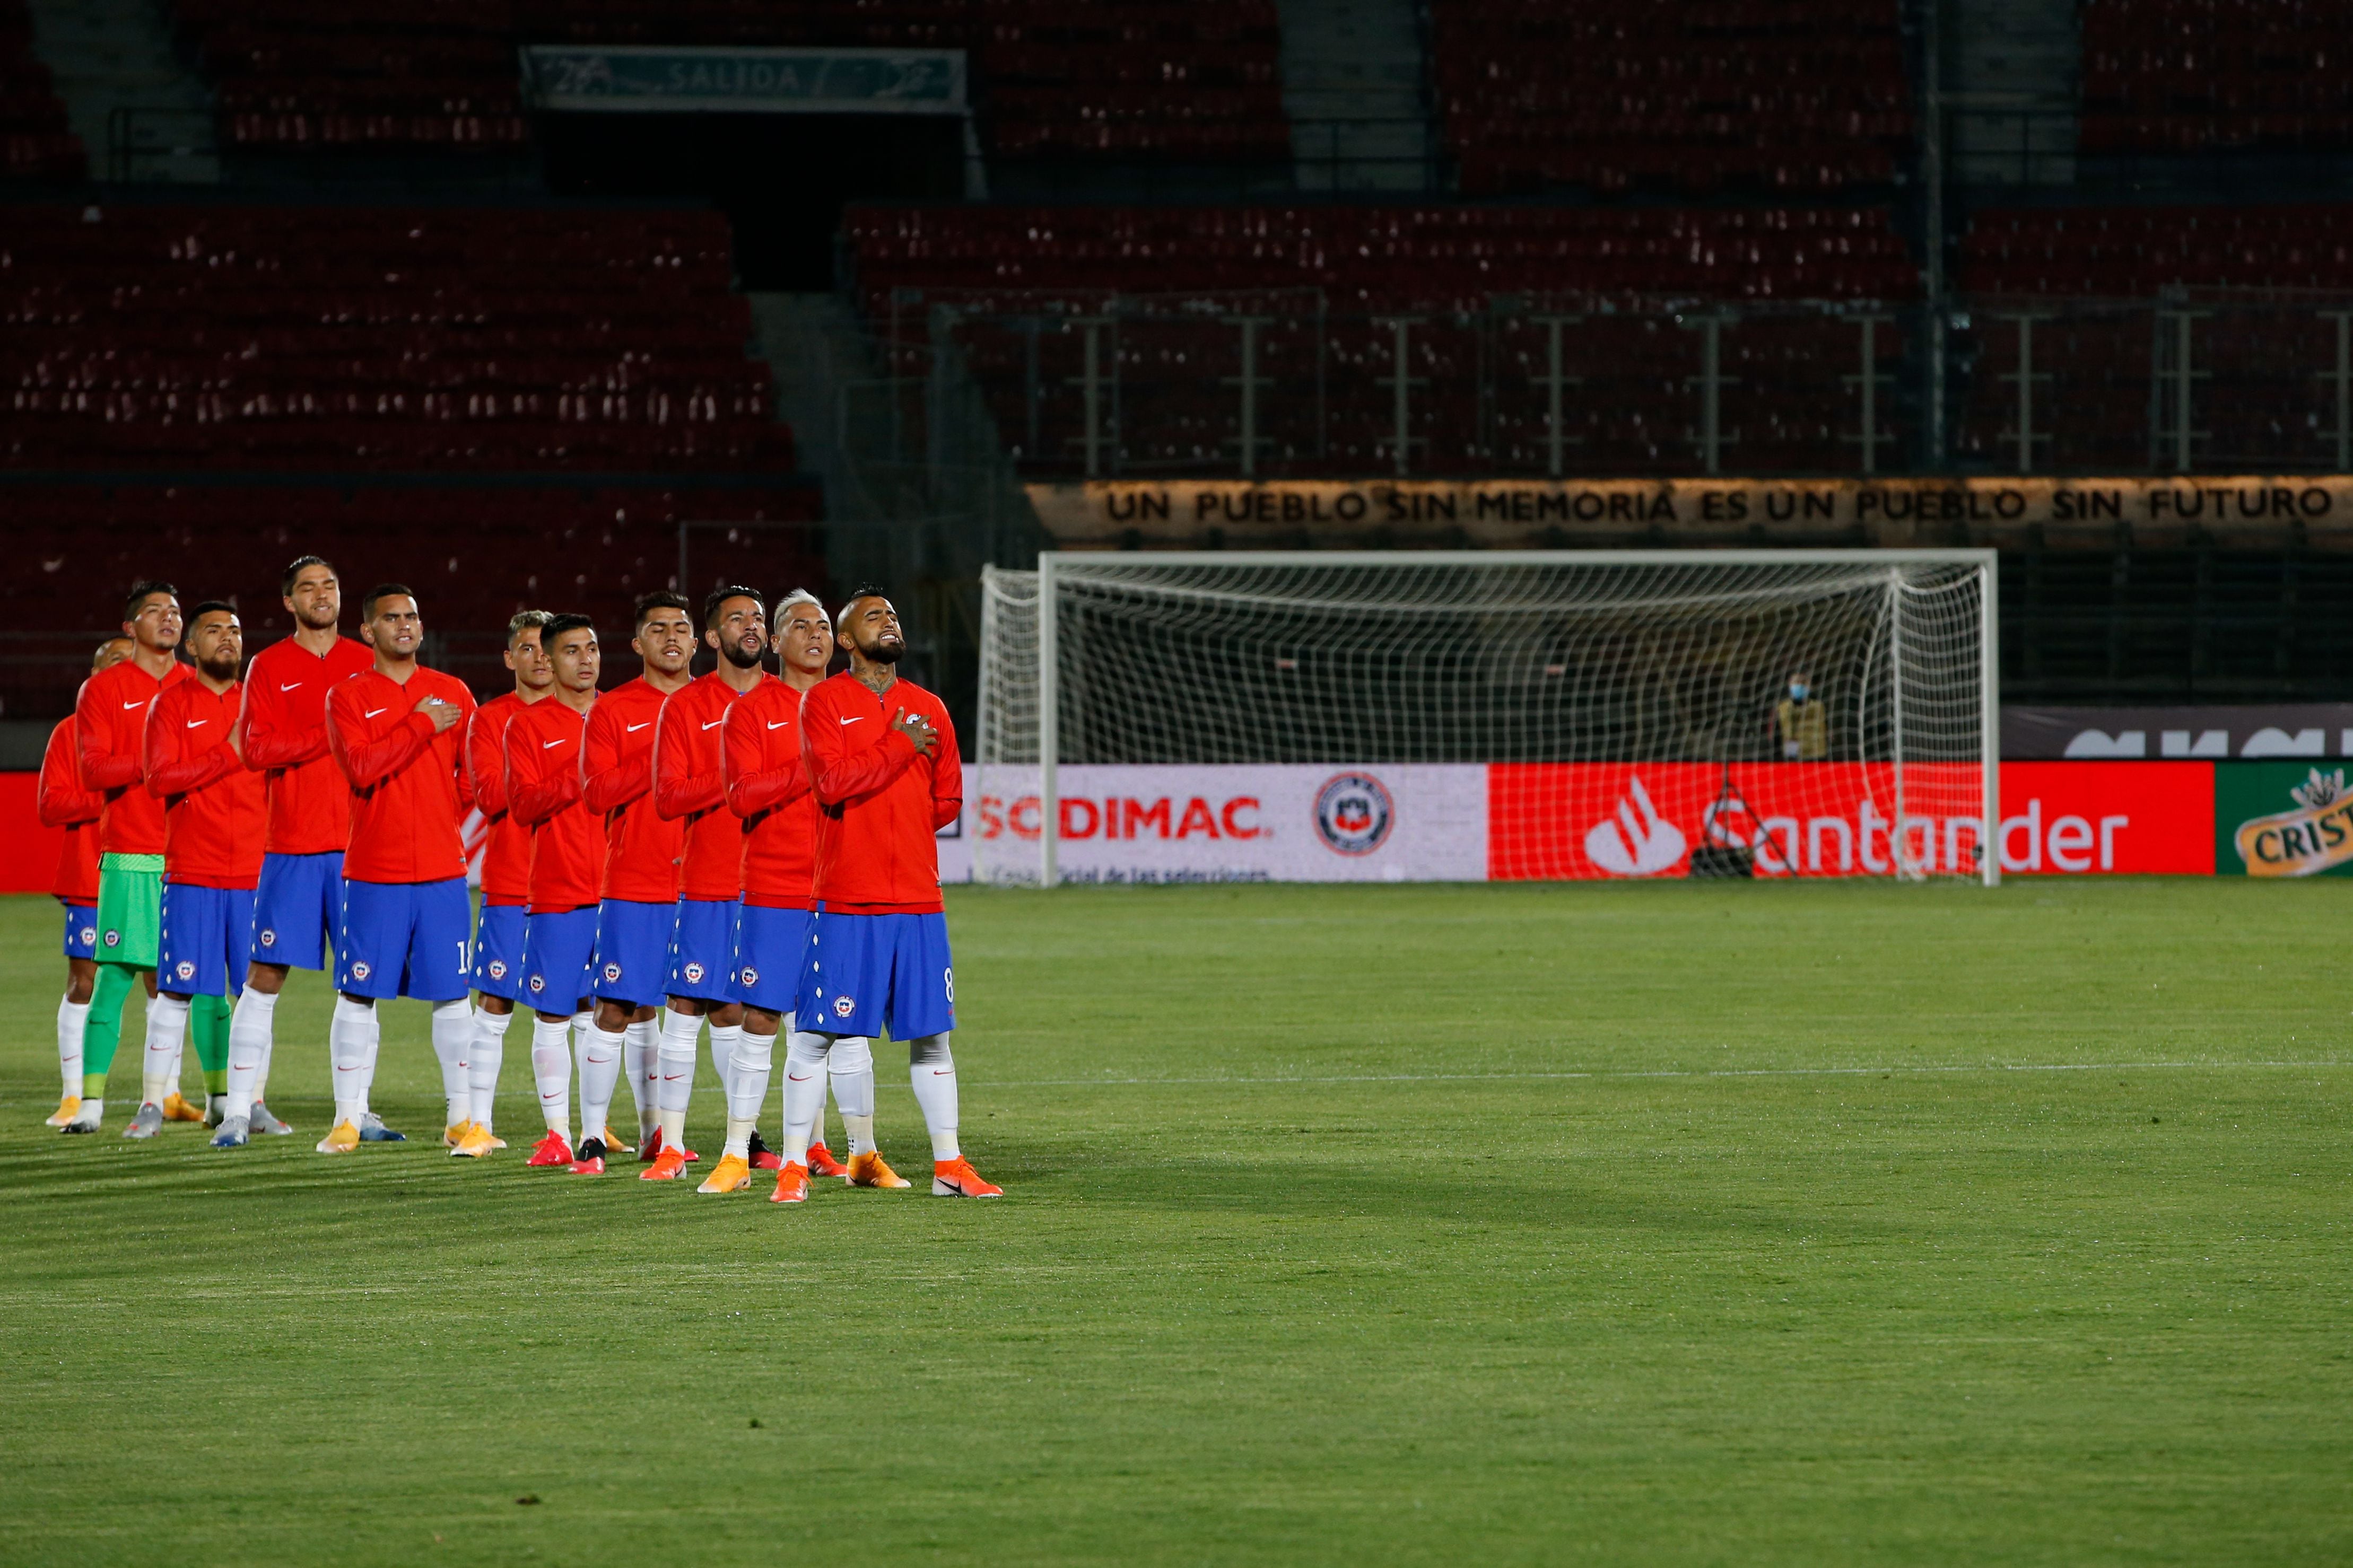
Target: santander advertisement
[1577, 821]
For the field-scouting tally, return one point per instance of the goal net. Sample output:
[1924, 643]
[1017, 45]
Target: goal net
[1494, 715]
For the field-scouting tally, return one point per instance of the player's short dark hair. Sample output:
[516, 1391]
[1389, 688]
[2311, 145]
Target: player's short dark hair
[526, 621]
[144, 589]
[557, 625]
[381, 592]
[659, 599]
[294, 570]
[863, 590]
[208, 608]
[718, 596]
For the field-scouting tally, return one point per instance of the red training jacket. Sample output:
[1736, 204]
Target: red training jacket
[111, 727]
[769, 789]
[690, 783]
[62, 802]
[616, 762]
[567, 839]
[285, 727]
[214, 808]
[506, 851]
[880, 801]
[409, 790]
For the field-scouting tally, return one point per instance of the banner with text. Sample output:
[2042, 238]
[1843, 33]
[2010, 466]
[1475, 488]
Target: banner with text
[745, 81]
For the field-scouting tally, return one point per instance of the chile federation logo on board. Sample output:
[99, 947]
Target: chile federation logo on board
[1354, 813]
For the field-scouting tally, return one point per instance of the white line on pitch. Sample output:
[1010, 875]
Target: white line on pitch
[1636, 1073]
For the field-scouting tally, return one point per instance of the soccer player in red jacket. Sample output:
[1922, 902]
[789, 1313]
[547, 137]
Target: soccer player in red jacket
[61, 801]
[506, 878]
[567, 861]
[282, 733]
[396, 732]
[881, 760]
[690, 788]
[111, 732]
[213, 812]
[769, 789]
[639, 907]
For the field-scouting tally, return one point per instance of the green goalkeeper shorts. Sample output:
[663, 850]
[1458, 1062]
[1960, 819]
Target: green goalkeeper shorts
[130, 908]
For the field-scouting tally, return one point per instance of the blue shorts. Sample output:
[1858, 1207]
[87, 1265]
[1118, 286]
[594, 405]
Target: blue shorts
[770, 947]
[206, 933]
[702, 949]
[632, 952]
[405, 939]
[498, 952]
[556, 947]
[296, 907]
[868, 972]
[81, 930]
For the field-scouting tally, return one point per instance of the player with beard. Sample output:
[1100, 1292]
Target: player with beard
[559, 933]
[506, 884]
[883, 762]
[110, 733]
[639, 907]
[213, 815]
[397, 732]
[768, 787]
[690, 788]
[62, 802]
[298, 902]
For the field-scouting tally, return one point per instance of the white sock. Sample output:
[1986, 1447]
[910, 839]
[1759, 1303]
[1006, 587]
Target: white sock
[367, 1068]
[483, 1058]
[248, 1047]
[850, 1066]
[805, 1056]
[453, 1036]
[677, 1092]
[600, 1074]
[755, 1058]
[350, 1036]
[551, 1069]
[167, 1026]
[932, 1069]
[723, 1057]
[72, 1018]
[641, 1062]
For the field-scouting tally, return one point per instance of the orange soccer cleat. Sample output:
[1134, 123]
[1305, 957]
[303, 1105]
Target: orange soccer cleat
[792, 1185]
[869, 1170]
[730, 1175]
[553, 1149]
[614, 1147]
[957, 1179]
[175, 1108]
[668, 1166]
[821, 1162]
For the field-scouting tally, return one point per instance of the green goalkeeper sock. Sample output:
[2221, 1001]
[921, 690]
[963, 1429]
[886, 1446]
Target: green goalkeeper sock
[209, 1031]
[104, 1025]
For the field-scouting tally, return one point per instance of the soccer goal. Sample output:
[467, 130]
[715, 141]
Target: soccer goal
[1501, 715]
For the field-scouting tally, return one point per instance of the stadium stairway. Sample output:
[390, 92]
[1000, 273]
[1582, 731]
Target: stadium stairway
[1352, 84]
[2014, 98]
[117, 54]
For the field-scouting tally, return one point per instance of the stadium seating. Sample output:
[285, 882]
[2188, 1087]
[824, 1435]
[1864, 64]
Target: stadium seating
[2133, 252]
[1128, 79]
[35, 141]
[2179, 76]
[1386, 257]
[473, 554]
[1794, 95]
[249, 338]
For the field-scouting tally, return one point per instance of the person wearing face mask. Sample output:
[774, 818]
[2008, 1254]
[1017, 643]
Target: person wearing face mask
[1802, 723]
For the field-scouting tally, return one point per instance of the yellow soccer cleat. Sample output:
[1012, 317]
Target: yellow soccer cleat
[342, 1140]
[454, 1133]
[733, 1174]
[868, 1170]
[476, 1145]
[613, 1144]
[178, 1110]
[65, 1111]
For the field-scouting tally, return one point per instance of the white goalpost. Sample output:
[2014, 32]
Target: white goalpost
[1505, 715]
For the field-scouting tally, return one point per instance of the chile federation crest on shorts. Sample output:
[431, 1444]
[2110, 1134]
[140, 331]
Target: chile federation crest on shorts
[1353, 813]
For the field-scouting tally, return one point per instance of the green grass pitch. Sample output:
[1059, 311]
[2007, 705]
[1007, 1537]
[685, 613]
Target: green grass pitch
[1530, 1224]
